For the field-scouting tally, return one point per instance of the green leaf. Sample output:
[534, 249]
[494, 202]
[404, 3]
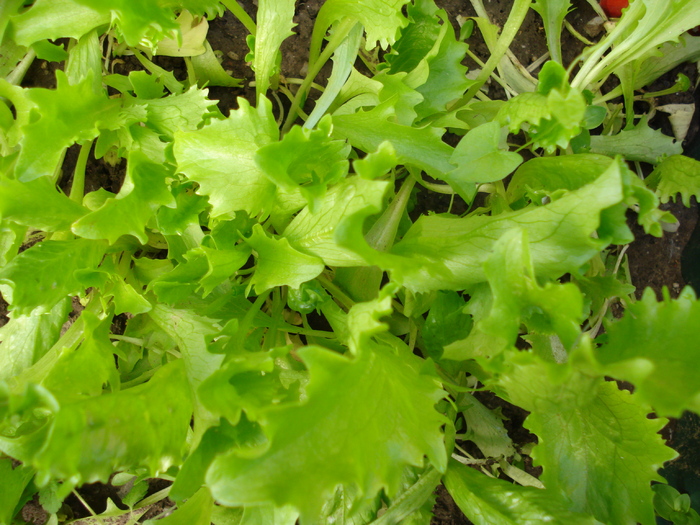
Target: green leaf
[89, 440]
[46, 273]
[447, 253]
[517, 297]
[382, 19]
[144, 191]
[666, 381]
[596, 445]
[279, 263]
[63, 116]
[553, 13]
[13, 480]
[485, 428]
[420, 147]
[86, 61]
[37, 204]
[446, 323]
[195, 511]
[639, 143]
[209, 72]
[417, 38]
[178, 113]
[676, 174]
[305, 460]
[221, 158]
[191, 332]
[26, 338]
[306, 160]
[274, 24]
[491, 501]
[52, 19]
[479, 157]
[315, 233]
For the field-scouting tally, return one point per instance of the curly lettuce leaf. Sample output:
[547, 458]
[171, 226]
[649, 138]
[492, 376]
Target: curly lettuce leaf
[221, 158]
[676, 174]
[314, 446]
[639, 143]
[449, 254]
[596, 445]
[47, 272]
[89, 440]
[62, 116]
[667, 380]
[273, 25]
[491, 501]
[144, 191]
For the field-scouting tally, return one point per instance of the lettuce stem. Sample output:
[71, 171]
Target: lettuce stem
[239, 12]
[77, 189]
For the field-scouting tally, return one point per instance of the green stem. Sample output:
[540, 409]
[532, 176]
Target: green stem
[336, 292]
[247, 320]
[340, 33]
[515, 20]
[239, 12]
[77, 189]
[18, 72]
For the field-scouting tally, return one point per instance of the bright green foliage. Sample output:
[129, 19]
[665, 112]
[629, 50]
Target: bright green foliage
[307, 160]
[46, 273]
[221, 158]
[66, 115]
[479, 157]
[639, 143]
[676, 174]
[279, 264]
[596, 445]
[274, 25]
[489, 501]
[655, 346]
[13, 480]
[517, 298]
[314, 446]
[289, 315]
[142, 193]
[382, 19]
[158, 414]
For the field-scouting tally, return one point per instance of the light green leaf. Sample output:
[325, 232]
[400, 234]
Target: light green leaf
[195, 511]
[89, 440]
[676, 174]
[447, 253]
[45, 273]
[177, 113]
[143, 192]
[221, 158]
[37, 204]
[26, 338]
[209, 72]
[85, 61]
[491, 501]
[66, 115]
[314, 233]
[596, 445]
[190, 40]
[517, 297]
[54, 19]
[307, 458]
[666, 381]
[479, 157]
[445, 324]
[274, 24]
[279, 263]
[13, 481]
[422, 147]
[192, 332]
[553, 13]
[382, 19]
[306, 160]
[417, 38]
[639, 143]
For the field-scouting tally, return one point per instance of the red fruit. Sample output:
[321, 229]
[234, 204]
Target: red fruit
[613, 8]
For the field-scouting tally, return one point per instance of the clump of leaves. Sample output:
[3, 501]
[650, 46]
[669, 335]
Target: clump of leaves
[296, 345]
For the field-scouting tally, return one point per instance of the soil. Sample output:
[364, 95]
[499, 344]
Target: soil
[653, 262]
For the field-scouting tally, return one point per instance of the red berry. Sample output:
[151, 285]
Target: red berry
[613, 8]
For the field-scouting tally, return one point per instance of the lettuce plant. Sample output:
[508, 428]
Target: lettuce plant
[262, 315]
